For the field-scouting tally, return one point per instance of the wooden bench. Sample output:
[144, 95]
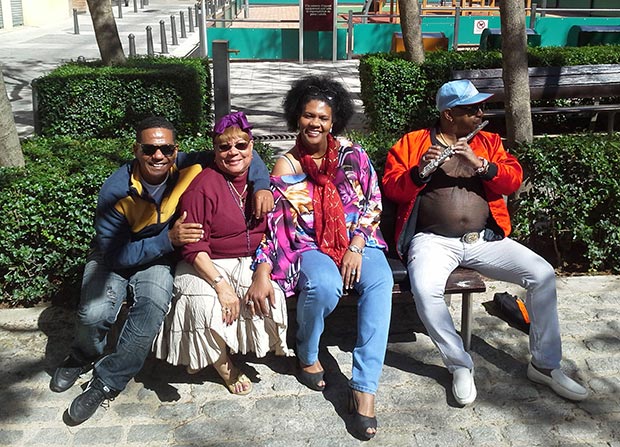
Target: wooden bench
[463, 281]
[550, 83]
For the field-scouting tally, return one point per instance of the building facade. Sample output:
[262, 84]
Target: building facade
[14, 13]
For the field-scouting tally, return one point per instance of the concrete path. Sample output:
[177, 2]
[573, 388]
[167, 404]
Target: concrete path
[165, 406]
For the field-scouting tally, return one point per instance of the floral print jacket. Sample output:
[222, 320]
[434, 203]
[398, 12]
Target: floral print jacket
[291, 223]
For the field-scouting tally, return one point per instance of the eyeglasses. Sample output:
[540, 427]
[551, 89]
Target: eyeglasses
[240, 146]
[313, 90]
[471, 110]
[166, 149]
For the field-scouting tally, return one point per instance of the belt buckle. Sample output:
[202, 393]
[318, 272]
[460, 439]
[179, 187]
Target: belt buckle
[470, 238]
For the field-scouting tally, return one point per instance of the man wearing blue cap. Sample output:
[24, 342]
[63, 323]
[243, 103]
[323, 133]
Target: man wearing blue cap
[452, 213]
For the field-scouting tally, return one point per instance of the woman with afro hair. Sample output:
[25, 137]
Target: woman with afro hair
[323, 237]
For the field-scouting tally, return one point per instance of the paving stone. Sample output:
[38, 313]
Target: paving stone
[442, 437]
[486, 436]
[52, 436]
[99, 435]
[149, 432]
[10, 437]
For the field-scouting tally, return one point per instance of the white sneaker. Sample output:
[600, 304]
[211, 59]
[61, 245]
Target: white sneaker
[558, 382]
[463, 386]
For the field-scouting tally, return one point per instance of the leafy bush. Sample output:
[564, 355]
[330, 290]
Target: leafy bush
[47, 211]
[399, 95]
[90, 100]
[569, 209]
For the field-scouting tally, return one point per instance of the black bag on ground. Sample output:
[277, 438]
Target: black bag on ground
[514, 310]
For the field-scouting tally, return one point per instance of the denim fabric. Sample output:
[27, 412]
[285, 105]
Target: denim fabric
[431, 260]
[103, 293]
[320, 288]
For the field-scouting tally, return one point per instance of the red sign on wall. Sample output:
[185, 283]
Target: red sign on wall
[318, 15]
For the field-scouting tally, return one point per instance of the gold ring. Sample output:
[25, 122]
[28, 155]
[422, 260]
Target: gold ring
[353, 272]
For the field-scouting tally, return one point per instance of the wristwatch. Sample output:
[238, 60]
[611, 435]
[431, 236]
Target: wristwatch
[484, 168]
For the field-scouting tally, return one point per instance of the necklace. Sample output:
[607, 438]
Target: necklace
[241, 196]
[442, 139]
[318, 158]
[240, 199]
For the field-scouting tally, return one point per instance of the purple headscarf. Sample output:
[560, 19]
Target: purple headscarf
[237, 119]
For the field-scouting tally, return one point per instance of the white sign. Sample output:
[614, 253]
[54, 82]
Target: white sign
[480, 25]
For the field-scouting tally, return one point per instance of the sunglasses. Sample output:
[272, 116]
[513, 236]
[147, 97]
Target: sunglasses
[240, 146]
[166, 149]
[471, 110]
[313, 90]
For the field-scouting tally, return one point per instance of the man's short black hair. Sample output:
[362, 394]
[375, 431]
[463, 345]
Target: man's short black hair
[153, 122]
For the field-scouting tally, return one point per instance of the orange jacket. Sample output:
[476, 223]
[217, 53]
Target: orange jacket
[400, 188]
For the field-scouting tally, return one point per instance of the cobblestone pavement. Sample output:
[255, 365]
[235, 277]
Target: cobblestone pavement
[165, 406]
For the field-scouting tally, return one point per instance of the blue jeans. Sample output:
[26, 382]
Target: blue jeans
[103, 293]
[320, 288]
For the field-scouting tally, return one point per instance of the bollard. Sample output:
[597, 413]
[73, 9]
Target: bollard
[76, 24]
[182, 24]
[221, 78]
[141, 4]
[196, 11]
[149, 41]
[135, 5]
[146, 2]
[173, 30]
[162, 35]
[190, 19]
[132, 45]
[202, 44]
[120, 9]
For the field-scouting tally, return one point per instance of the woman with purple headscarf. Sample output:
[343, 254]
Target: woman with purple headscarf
[217, 307]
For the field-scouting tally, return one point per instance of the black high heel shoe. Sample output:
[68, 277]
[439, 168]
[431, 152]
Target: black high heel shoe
[311, 380]
[361, 423]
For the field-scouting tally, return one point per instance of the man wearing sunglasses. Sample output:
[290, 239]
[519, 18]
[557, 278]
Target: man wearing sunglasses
[453, 214]
[136, 236]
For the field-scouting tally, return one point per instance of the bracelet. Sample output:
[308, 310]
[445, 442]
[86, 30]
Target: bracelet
[216, 281]
[484, 168]
[356, 249]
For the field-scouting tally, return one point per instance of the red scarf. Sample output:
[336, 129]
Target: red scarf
[329, 222]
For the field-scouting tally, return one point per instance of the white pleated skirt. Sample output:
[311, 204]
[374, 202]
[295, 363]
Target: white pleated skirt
[186, 337]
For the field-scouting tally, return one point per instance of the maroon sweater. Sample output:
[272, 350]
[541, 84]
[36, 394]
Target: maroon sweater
[229, 232]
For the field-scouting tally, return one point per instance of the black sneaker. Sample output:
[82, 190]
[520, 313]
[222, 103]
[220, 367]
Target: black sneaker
[66, 374]
[85, 405]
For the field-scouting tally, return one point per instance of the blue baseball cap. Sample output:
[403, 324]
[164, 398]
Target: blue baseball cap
[459, 93]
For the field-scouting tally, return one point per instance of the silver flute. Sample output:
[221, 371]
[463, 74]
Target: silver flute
[449, 152]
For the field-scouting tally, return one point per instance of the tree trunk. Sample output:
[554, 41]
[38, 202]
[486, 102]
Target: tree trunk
[106, 32]
[411, 26]
[516, 80]
[10, 150]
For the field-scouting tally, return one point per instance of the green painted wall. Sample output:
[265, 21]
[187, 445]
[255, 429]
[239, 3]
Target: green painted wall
[555, 30]
[276, 44]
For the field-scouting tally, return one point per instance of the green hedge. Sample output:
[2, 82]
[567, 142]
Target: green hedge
[47, 211]
[88, 100]
[569, 209]
[399, 95]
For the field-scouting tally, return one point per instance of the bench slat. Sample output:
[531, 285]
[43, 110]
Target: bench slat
[577, 81]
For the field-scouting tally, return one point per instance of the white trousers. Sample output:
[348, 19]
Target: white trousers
[432, 258]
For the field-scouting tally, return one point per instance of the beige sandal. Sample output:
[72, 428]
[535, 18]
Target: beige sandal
[241, 378]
